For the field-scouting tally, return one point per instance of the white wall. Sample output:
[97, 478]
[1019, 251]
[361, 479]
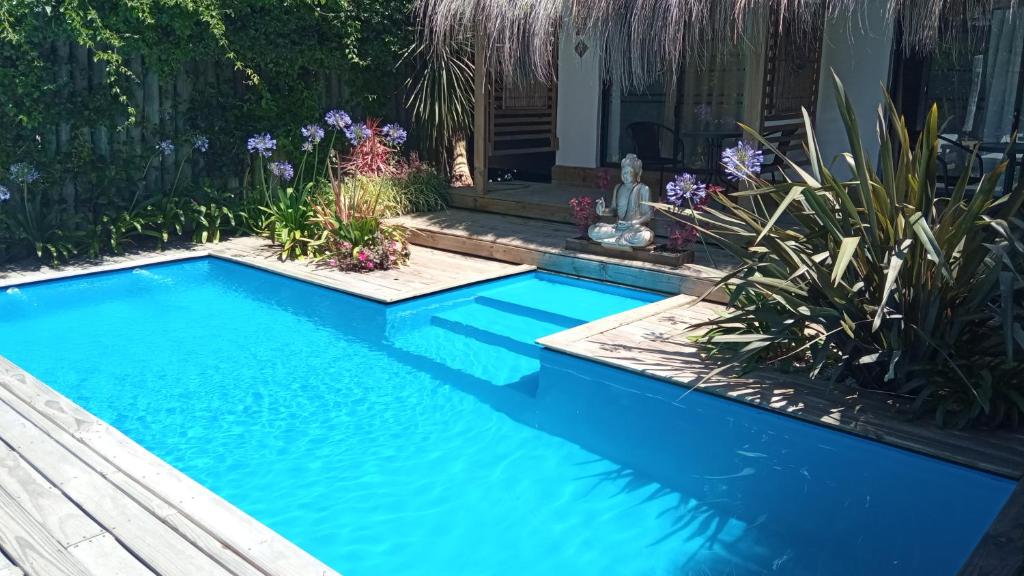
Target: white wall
[859, 48]
[579, 104]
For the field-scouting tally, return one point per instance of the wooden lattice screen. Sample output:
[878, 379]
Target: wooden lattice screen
[791, 77]
[522, 118]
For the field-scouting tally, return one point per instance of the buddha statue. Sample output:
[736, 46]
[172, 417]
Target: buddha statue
[629, 207]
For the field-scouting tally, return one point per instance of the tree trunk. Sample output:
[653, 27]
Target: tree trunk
[462, 175]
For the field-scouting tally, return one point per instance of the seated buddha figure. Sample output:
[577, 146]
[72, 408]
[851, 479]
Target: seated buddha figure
[630, 210]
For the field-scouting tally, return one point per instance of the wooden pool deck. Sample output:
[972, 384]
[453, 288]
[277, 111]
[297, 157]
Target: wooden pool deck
[428, 270]
[541, 243]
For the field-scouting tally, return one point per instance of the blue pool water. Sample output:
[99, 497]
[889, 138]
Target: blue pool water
[434, 438]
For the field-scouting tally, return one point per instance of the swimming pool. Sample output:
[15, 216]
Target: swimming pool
[433, 436]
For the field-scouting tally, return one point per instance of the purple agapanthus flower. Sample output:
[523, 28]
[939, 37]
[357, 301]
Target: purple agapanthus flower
[283, 170]
[23, 173]
[165, 147]
[263, 144]
[394, 135]
[356, 133]
[337, 120]
[5, 194]
[742, 161]
[200, 143]
[313, 133]
[685, 189]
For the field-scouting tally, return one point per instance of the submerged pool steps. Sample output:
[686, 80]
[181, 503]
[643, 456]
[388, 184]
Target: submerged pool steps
[506, 330]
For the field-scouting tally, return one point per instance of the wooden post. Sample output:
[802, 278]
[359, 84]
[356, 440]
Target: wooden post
[481, 103]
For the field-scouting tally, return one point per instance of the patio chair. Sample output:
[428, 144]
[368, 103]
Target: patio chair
[648, 138]
[953, 156]
[786, 139]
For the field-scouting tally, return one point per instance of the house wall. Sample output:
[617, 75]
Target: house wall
[858, 46]
[579, 104]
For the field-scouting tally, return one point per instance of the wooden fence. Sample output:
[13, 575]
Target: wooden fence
[162, 104]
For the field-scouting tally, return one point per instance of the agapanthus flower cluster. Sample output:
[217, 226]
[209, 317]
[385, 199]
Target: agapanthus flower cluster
[358, 132]
[394, 135]
[337, 120]
[742, 162]
[200, 143]
[313, 134]
[263, 144]
[165, 147]
[282, 170]
[23, 173]
[686, 190]
[5, 194]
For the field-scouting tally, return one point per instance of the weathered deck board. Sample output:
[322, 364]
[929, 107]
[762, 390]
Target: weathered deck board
[29, 544]
[428, 270]
[538, 200]
[541, 244]
[62, 519]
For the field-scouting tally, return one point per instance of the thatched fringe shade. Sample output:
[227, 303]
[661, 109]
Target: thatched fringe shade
[641, 39]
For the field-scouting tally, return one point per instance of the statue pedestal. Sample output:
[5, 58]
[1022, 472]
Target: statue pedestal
[653, 254]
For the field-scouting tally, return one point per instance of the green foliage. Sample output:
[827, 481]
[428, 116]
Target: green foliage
[441, 93]
[69, 68]
[291, 220]
[883, 278]
[34, 223]
[212, 218]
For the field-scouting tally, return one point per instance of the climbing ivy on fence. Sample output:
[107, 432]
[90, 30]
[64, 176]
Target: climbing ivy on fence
[76, 76]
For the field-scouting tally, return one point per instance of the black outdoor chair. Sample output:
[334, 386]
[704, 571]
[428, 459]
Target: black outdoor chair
[648, 138]
[953, 158]
[786, 139]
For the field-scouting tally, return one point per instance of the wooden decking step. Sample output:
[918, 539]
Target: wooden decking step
[542, 244]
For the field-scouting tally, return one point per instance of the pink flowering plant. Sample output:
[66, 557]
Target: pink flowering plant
[583, 214]
[354, 236]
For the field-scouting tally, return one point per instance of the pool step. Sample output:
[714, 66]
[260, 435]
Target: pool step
[472, 356]
[506, 320]
[559, 302]
[522, 310]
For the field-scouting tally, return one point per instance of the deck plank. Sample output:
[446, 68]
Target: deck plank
[542, 244]
[61, 518]
[30, 545]
[104, 555]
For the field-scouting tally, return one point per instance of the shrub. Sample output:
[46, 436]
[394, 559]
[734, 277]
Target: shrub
[885, 279]
[583, 214]
[355, 236]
